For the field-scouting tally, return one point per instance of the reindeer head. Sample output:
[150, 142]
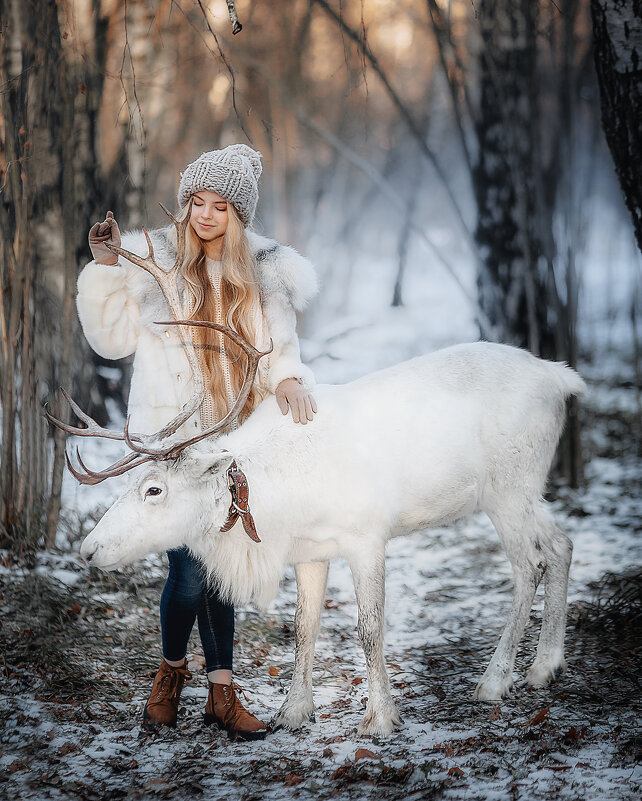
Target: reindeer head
[170, 503]
[161, 510]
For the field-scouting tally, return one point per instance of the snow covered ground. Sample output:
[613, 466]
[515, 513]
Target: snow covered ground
[81, 647]
[85, 647]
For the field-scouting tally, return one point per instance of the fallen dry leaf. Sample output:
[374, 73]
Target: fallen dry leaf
[67, 748]
[540, 716]
[364, 753]
[274, 671]
[573, 735]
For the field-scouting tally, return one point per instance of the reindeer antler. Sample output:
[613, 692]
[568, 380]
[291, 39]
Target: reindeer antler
[253, 357]
[144, 446]
[116, 469]
[168, 282]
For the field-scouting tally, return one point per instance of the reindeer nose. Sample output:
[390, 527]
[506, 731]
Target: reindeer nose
[88, 555]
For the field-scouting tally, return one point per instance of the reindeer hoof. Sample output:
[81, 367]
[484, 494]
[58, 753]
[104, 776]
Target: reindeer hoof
[380, 724]
[543, 673]
[491, 689]
[292, 716]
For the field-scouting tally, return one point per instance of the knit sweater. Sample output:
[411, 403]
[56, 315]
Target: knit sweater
[209, 412]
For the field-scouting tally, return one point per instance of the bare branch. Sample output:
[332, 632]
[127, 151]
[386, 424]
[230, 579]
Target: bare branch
[376, 177]
[223, 58]
[407, 117]
[443, 37]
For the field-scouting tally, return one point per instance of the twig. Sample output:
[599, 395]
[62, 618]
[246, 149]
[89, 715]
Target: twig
[223, 58]
[406, 116]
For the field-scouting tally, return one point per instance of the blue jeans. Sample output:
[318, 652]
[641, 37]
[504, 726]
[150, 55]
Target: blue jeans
[187, 596]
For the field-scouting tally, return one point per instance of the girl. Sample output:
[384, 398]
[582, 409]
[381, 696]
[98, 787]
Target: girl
[229, 276]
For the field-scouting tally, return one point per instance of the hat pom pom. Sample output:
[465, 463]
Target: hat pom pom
[253, 156]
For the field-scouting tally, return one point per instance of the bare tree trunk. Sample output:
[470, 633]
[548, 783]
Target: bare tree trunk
[511, 292]
[567, 206]
[617, 30]
[15, 209]
[138, 54]
[405, 235]
[48, 169]
[71, 160]
[528, 226]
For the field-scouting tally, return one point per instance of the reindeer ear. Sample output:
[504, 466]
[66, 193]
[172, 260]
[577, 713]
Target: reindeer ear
[213, 463]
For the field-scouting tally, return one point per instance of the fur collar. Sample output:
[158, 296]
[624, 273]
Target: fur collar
[280, 269]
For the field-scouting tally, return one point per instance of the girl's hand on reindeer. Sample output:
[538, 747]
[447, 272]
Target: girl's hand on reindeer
[291, 393]
[101, 233]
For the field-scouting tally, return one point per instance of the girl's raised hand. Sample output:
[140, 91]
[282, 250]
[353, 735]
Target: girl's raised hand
[101, 232]
[291, 393]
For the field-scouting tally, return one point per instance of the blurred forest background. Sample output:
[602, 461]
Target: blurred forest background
[473, 138]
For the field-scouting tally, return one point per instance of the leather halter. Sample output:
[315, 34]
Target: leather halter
[240, 492]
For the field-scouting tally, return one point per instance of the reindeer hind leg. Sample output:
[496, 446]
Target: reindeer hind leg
[557, 547]
[369, 574]
[517, 529]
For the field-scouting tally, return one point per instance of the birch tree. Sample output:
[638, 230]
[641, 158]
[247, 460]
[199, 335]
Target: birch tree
[524, 178]
[511, 290]
[617, 28]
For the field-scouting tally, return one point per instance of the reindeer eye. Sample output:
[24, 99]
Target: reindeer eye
[153, 491]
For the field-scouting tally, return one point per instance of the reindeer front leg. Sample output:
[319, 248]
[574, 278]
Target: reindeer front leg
[298, 707]
[369, 576]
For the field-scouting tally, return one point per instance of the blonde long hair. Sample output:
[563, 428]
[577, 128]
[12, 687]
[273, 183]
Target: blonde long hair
[240, 300]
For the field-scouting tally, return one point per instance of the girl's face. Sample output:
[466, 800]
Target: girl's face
[209, 215]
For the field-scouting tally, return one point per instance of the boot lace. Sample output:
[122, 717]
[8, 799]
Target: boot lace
[233, 707]
[172, 682]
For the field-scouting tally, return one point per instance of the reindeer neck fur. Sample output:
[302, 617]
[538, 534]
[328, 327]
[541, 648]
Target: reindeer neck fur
[246, 571]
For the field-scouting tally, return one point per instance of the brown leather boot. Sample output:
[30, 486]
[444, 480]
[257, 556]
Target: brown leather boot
[225, 709]
[162, 706]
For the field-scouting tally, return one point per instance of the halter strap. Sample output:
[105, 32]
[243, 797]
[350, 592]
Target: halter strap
[240, 492]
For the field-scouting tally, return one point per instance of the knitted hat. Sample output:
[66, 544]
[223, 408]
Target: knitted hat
[233, 173]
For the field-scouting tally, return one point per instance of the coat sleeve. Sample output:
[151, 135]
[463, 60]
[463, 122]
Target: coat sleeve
[285, 359]
[291, 282]
[107, 307]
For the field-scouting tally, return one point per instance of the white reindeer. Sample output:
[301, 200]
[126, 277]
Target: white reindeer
[471, 427]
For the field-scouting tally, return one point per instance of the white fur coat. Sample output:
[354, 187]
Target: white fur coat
[118, 306]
